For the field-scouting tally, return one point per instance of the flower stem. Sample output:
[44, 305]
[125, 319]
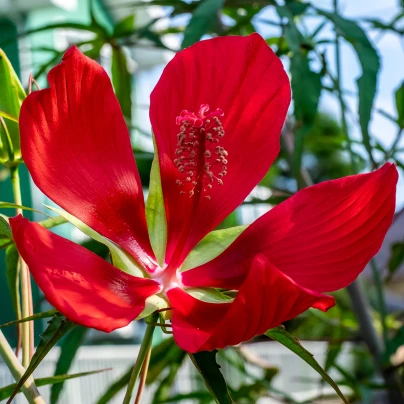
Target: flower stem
[145, 347]
[27, 327]
[17, 370]
[143, 376]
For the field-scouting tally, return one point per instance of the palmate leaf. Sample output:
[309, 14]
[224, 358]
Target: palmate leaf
[283, 337]
[202, 20]
[205, 363]
[6, 391]
[57, 328]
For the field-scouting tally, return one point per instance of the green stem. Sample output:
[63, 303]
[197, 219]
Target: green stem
[26, 298]
[144, 348]
[143, 376]
[17, 370]
[380, 298]
[340, 96]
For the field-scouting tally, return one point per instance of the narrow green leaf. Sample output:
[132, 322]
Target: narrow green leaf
[370, 64]
[205, 363]
[203, 19]
[8, 116]
[5, 230]
[9, 205]
[6, 391]
[209, 295]
[156, 212]
[11, 97]
[68, 349]
[52, 222]
[121, 80]
[211, 246]
[124, 27]
[162, 356]
[396, 258]
[120, 258]
[12, 275]
[283, 337]
[44, 314]
[115, 387]
[306, 90]
[399, 96]
[58, 326]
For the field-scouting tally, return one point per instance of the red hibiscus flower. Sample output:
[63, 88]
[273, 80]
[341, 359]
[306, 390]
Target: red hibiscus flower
[216, 114]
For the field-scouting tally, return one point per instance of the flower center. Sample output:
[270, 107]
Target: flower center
[201, 161]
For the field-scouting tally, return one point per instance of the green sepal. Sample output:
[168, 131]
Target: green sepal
[120, 258]
[156, 212]
[211, 246]
[209, 295]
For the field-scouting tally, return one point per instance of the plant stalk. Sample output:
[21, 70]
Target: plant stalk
[17, 370]
[143, 375]
[26, 298]
[141, 359]
[338, 87]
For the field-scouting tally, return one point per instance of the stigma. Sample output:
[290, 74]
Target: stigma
[200, 160]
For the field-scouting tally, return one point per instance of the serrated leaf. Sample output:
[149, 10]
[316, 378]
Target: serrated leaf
[37, 316]
[120, 258]
[6, 391]
[202, 20]
[57, 328]
[121, 80]
[399, 97]
[12, 275]
[370, 64]
[283, 337]
[205, 363]
[68, 349]
[211, 246]
[11, 97]
[156, 212]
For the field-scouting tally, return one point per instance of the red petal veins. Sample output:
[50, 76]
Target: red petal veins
[76, 145]
[322, 237]
[77, 282]
[243, 79]
[266, 299]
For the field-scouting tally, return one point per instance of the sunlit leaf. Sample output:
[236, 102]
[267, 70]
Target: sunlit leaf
[205, 363]
[283, 337]
[11, 96]
[203, 19]
[211, 246]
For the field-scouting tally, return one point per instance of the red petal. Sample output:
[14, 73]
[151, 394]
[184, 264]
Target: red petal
[244, 78]
[322, 237]
[266, 299]
[77, 148]
[78, 283]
